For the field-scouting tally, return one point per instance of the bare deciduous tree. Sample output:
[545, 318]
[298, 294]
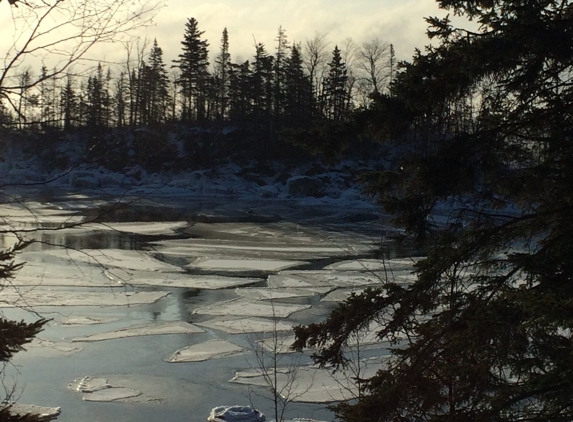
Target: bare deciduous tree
[374, 63]
[315, 58]
[60, 33]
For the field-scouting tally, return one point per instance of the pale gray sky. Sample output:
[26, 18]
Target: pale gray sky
[400, 22]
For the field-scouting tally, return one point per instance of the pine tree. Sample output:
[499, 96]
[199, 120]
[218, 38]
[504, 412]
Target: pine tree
[334, 92]
[222, 69]
[484, 332]
[240, 92]
[158, 86]
[120, 94]
[69, 104]
[262, 86]
[193, 65]
[298, 91]
[280, 70]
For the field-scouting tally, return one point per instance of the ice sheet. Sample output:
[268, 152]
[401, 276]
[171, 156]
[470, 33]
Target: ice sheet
[312, 384]
[242, 265]
[246, 325]
[42, 412]
[248, 308]
[192, 281]
[175, 327]
[212, 349]
[154, 228]
[86, 320]
[327, 278]
[374, 265]
[119, 258]
[285, 293]
[11, 297]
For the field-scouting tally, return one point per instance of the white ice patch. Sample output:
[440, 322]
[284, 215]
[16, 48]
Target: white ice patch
[176, 327]
[118, 258]
[212, 349]
[246, 325]
[86, 320]
[112, 394]
[312, 384]
[11, 297]
[333, 278]
[192, 281]
[40, 412]
[242, 307]
[44, 270]
[378, 265]
[286, 293]
[100, 390]
[155, 228]
[240, 265]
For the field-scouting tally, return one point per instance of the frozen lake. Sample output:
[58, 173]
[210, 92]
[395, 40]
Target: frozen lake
[157, 302]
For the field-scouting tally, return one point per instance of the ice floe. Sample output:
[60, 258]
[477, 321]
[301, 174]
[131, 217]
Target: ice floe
[42, 413]
[100, 390]
[212, 349]
[203, 282]
[313, 384]
[175, 327]
[248, 249]
[284, 293]
[242, 265]
[374, 265]
[241, 307]
[119, 258]
[246, 325]
[11, 297]
[86, 320]
[154, 228]
[235, 414]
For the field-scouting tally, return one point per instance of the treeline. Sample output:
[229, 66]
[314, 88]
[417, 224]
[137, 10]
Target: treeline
[296, 87]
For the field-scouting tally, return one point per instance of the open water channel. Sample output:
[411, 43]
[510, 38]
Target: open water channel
[157, 302]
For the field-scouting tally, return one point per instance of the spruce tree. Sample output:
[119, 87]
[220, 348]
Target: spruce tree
[222, 69]
[193, 66]
[298, 91]
[484, 332]
[334, 102]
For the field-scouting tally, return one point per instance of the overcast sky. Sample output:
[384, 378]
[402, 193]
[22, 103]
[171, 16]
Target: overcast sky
[400, 22]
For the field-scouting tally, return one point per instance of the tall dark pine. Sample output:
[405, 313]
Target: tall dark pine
[69, 104]
[154, 85]
[280, 70]
[298, 92]
[120, 97]
[262, 87]
[222, 69]
[484, 332]
[334, 102]
[240, 92]
[193, 65]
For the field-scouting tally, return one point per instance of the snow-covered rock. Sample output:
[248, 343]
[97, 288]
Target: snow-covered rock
[235, 414]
